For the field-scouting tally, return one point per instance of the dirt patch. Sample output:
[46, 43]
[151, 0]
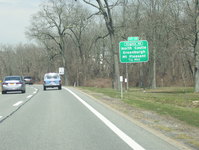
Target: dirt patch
[169, 127]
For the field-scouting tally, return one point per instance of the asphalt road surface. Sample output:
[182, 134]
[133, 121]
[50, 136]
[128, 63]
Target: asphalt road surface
[68, 120]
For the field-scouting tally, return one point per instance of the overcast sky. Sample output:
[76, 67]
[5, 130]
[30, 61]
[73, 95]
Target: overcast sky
[15, 16]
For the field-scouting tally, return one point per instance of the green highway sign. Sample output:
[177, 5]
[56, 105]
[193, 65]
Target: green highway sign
[134, 51]
[133, 38]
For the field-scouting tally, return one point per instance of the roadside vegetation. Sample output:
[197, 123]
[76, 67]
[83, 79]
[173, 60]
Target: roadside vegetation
[74, 35]
[178, 102]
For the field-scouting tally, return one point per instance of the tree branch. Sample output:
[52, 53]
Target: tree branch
[89, 3]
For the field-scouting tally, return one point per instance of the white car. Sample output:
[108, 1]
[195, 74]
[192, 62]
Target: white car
[52, 80]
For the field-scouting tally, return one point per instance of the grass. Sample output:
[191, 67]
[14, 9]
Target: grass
[173, 101]
[190, 139]
[163, 128]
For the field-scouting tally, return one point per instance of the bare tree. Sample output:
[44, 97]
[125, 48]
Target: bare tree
[105, 9]
[78, 34]
[50, 24]
[88, 47]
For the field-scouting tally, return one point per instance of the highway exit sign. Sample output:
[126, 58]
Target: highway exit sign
[134, 51]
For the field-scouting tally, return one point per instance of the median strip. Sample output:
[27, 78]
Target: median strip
[128, 140]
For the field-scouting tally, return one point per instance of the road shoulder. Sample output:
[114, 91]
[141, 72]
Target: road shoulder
[170, 129]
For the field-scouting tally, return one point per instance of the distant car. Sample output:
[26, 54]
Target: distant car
[28, 79]
[13, 83]
[52, 80]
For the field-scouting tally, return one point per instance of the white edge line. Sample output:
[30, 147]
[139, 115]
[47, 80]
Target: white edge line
[18, 103]
[114, 128]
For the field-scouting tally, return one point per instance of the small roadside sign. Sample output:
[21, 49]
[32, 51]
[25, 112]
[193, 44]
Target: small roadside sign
[121, 78]
[61, 70]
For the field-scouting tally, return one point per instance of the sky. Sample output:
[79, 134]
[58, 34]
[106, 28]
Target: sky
[15, 16]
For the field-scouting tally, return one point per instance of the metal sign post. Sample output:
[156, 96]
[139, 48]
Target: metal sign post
[126, 82]
[121, 81]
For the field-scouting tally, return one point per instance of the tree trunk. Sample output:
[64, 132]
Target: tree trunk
[62, 50]
[116, 63]
[196, 47]
[65, 76]
[153, 85]
[117, 73]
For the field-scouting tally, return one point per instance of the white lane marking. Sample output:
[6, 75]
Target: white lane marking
[29, 96]
[1, 117]
[114, 128]
[35, 91]
[18, 103]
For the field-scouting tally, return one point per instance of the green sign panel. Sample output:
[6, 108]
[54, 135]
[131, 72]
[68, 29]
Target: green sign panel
[133, 38]
[134, 51]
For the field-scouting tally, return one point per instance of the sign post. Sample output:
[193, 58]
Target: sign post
[121, 81]
[126, 83]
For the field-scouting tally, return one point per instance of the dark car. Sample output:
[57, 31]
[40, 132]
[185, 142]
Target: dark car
[28, 79]
[13, 83]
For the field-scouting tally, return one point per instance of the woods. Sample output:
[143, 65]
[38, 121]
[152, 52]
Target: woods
[83, 37]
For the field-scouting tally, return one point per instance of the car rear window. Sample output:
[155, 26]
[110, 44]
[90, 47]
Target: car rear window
[52, 76]
[12, 78]
[27, 77]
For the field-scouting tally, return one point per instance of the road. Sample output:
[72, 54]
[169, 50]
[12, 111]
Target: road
[68, 120]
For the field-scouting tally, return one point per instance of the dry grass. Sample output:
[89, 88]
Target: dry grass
[99, 83]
